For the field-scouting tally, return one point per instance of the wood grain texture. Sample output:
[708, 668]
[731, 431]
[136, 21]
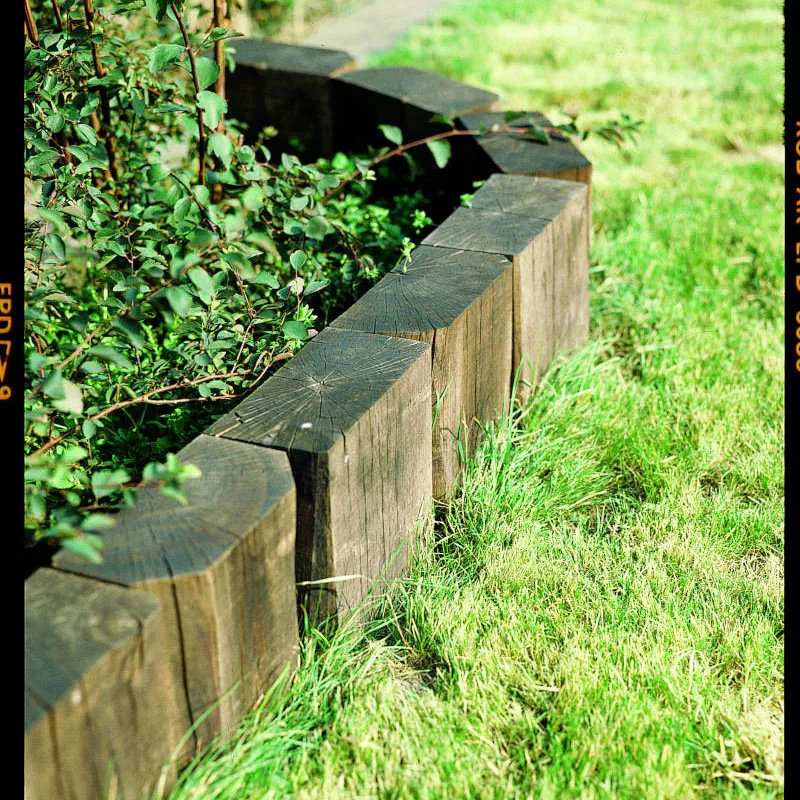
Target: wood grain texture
[222, 568]
[404, 96]
[266, 54]
[513, 154]
[460, 302]
[288, 87]
[353, 412]
[98, 691]
[542, 226]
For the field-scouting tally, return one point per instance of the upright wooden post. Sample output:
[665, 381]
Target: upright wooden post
[99, 694]
[515, 154]
[222, 568]
[542, 225]
[353, 412]
[461, 302]
[287, 87]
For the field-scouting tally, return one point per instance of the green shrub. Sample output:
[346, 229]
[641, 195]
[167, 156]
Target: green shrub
[167, 265]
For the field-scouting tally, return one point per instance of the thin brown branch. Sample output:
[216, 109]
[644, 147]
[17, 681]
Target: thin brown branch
[203, 212]
[147, 398]
[419, 142]
[201, 144]
[220, 21]
[57, 11]
[105, 127]
[30, 24]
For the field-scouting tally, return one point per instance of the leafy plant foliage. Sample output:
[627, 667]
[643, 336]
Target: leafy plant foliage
[167, 264]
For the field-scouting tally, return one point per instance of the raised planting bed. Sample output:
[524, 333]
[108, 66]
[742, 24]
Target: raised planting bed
[324, 475]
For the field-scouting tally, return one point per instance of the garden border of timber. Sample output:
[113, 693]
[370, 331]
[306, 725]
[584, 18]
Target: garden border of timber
[327, 469]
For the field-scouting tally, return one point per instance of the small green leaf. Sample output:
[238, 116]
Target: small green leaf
[207, 71]
[443, 118]
[213, 108]
[219, 33]
[202, 280]
[157, 8]
[328, 182]
[182, 208]
[73, 454]
[298, 202]
[105, 481]
[96, 522]
[92, 367]
[392, 133]
[221, 146]
[289, 162]
[441, 152]
[265, 277]
[202, 194]
[110, 354]
[53, 387]
[253, 198]
[55, 122]
[56, 244]
[51, 216]
[317, 228]
[72, 402]
[295, 330]
[137, 103]
[297, 259]
[180, 300]
[131, 330]
[538, 134]
[86, 132]
[315, 286]
[81, 547]
[156, 172]
[89, 428]
[163, 55]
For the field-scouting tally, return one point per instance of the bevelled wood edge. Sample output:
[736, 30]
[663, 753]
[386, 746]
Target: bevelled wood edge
[160, 538]
[514, 154]
[222, 568]
[461, 302]
[98, 693]
[267, 54]
[353, 412]
[318, 395]
[542, 225]
[428, 91]
[543, 198]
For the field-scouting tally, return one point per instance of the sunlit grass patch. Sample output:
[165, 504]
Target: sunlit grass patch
[599, 610]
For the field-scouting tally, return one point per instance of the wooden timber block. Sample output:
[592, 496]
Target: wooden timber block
[222, 568]
[542, 226]
[461, 302]
[513, 154]
[404, 96]
[98, 691]
[285, 86]
[353, 412]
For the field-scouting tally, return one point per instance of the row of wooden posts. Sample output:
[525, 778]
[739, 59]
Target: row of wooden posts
[329, 468]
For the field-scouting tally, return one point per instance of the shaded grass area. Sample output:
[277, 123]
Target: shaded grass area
[599, 612]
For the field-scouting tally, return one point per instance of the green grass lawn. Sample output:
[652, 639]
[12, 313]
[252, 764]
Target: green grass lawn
[599, 613]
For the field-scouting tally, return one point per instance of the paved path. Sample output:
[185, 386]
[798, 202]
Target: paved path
[371, 28]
